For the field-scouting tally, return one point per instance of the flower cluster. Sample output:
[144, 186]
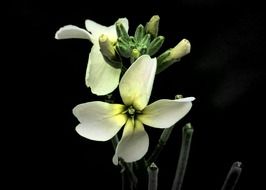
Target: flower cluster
[101, 121]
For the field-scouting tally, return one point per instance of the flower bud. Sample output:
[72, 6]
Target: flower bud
[108, 51]
[180, 50]
[123, 48]
[139, 33]
[135, 53]
[152, 26]
[106, 47]
[146, 40]
[173, 55]
[155, 45]
[121, 31]
[178, 96]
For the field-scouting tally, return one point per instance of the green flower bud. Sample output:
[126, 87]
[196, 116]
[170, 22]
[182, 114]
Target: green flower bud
[123, 47]
[155, 45]
[152, 26]
[135, 53]
[145, 40]
[180, 50]
[178, 96]
[106, 47]
[121, 31]
[161, 63]
[173, 55]
[143, 50]
[139, 33]
[108, 51]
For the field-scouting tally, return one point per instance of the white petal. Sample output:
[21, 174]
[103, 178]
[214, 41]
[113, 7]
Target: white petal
[100, 76]
[71, 31]
[97, 29]
[134, 143]
[136, 84]
[112, 35]
[165, 113]
[124, 21]
[99, 121]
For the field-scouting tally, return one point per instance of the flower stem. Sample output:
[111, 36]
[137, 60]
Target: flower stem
[161, 143]
[153, 177]
[115, 141]
[140, 169]
[232, 176]
[126, 169]
[187, 132]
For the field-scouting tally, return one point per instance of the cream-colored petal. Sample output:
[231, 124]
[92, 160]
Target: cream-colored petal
[99, 121]
[112, 35]
[71, 31]
[96, 30]
[133, 144]
[165, 113]
[101, 77]
[136, 84]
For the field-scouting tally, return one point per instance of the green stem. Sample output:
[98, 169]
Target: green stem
[187, 132]
[123, 181]
[140, 169]
[153, 177]
[115, 141]
[232, 176]
[160, 145]
[126, 169]
[123, 70]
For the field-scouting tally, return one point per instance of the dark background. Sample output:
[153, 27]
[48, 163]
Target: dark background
[225, 72]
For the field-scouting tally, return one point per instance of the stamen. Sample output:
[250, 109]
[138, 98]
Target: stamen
[131, 110]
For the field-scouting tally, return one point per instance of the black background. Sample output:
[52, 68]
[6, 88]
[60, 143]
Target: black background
[225, 72]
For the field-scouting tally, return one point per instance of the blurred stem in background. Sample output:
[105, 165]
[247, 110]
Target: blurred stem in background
[159, 147]
[153, 177]
[187, 132]
[128, 176]
[232, 176]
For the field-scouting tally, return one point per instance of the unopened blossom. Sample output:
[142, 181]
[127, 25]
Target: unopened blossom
[101, 121]
[173, 55]
[101, 77]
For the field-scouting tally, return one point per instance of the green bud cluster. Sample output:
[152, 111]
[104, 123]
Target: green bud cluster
[144, 41]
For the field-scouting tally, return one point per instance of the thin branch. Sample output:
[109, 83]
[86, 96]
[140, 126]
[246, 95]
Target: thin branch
[187, 132]
[232, 176]
[160, 145]
[126, 168]
[153, 177]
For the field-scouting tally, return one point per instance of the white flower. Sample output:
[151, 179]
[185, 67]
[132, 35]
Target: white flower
[100, 76]
[100, 121]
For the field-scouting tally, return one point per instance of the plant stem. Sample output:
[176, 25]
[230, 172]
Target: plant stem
[232, 176]
[153, 177]
[126, 169]
[115, 141]
[187, 132]
[140, 169]
[160, 145]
